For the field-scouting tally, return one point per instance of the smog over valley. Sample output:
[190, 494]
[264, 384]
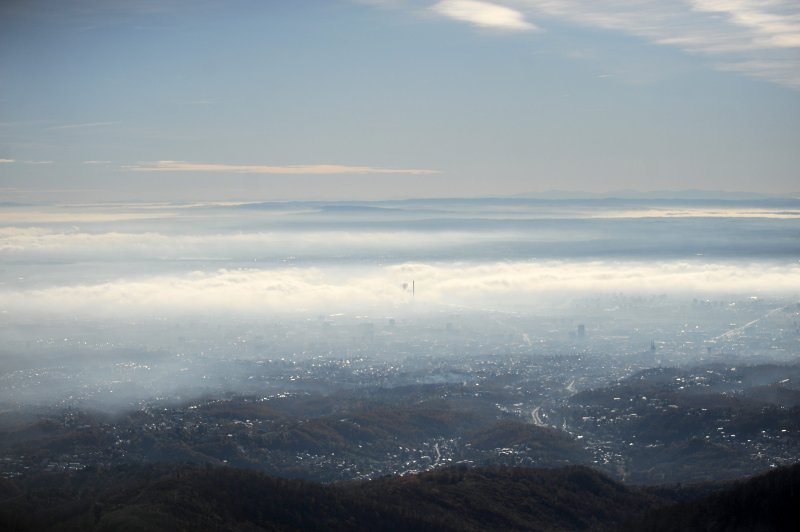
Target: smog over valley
[399, 265]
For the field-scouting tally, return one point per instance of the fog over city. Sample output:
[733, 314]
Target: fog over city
[112, 283]
[143, 260]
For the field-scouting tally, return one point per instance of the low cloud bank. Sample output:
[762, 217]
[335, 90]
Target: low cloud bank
[32, 243]
[313, 289]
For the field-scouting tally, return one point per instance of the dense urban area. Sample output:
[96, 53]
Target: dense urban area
[650, 390]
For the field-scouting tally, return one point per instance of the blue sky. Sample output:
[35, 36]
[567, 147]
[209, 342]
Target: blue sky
[278, 100]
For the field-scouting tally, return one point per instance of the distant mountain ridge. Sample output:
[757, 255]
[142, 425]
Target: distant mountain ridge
[656, 194]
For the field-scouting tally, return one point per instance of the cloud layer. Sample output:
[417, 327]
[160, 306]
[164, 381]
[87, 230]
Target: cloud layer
[312, 289]
[34, 244]
[308, 169]
[105, 260]
[484, 14]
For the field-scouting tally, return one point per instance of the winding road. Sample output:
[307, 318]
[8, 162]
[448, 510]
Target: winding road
[537, 420]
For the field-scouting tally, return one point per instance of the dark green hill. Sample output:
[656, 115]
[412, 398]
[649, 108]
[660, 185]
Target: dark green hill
[171, 497]
[764, 503]
[191, 498]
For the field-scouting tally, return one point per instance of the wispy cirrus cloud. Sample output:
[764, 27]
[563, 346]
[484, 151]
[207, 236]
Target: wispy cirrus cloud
[307, 169]
[9, 161]
[484, 14]
[81, 125]
[772, 24]
[760, 39]
[757, 38]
